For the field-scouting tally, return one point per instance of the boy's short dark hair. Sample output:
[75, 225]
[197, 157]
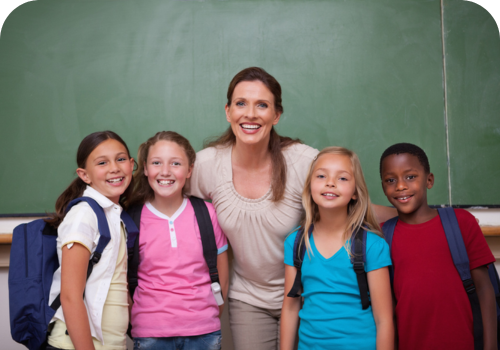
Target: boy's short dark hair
[409, 148]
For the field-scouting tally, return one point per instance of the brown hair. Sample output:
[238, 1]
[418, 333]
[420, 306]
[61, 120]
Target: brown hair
[359, 210]
[142, 190]
[77, 186]
[276, 142]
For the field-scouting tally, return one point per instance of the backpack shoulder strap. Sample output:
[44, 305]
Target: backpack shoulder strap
[299, 252]
[132, 220]
[461, 261]
[133, 214]
[358, 260]
[388, 231]
[455, 242]
[207, 236]
[104, 238]
[102, 224]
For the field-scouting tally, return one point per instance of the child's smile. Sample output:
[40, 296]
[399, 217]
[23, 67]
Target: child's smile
[405, 183]
[108, 169]
[167, 169]
[332, 183]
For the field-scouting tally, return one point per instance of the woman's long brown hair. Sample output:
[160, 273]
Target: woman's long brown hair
[77, 186]
[276, 142]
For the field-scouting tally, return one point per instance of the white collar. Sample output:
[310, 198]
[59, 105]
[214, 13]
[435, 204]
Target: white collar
[163, 216]
[102, 200]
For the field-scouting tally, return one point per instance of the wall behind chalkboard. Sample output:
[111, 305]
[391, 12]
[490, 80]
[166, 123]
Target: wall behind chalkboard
[360, 74]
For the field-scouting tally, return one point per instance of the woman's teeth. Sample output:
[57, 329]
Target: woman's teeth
[247, 126]
[114, 181]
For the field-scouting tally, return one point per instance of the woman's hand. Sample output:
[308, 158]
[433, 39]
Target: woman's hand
[384, 213]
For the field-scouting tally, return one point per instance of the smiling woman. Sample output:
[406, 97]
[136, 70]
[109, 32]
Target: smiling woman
[255, 178]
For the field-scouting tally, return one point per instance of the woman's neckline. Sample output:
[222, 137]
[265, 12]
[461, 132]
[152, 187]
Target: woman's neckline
[229, 174]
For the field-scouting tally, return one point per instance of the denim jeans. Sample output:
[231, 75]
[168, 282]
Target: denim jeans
[210, 341]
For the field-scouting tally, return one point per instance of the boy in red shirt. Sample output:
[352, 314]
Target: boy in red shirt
[432, 307]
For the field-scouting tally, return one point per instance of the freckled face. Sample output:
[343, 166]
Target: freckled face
[332, 182]
[167, 169]
[405, 182]
[252, 113]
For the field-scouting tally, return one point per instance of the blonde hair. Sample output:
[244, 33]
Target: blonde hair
[359, 211]
[142, 190]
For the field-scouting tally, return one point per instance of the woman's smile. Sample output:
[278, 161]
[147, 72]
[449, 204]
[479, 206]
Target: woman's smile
[251, 112]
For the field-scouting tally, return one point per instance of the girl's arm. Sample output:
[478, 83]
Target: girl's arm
[223, 269]
[384, 213]
[381, 298]
[289, 312]
[487, 303]
[74, 263]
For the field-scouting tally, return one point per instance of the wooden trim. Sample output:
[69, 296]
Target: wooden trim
[5, 238]
[491, 230]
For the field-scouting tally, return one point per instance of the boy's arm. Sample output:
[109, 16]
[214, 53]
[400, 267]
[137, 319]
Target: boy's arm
[381, 299]
[384, 213]
[487, 302]
[223, 269]
[395, 321]
[289, 312]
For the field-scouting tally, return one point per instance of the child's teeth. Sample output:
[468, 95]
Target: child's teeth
[165, 182]
[115, 180]
[329, 194]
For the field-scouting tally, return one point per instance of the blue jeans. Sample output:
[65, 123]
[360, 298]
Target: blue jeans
[210, 341]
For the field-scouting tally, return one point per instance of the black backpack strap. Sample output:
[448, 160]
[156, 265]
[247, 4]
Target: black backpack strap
[132, 218]
[461, 261]
[388, 230]
[358, 259]
[104, 238]
[207, 236]
[299, 252]
[134, 213]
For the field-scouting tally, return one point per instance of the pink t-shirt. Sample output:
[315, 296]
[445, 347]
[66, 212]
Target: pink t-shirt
[174, 297]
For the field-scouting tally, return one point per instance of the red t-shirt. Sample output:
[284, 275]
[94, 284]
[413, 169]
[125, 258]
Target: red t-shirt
[433, 310]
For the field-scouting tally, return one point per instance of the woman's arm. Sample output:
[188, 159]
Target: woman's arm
[74, 263]
[384, 213]
[223, 269]
[289, 312]
[487, 302]
[381, 298]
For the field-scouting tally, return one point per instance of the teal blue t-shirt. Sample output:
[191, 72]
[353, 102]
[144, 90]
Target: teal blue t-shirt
[332, 317]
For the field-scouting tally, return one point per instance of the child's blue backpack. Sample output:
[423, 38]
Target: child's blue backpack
[461, 261]
[358, 259]
[33, 261]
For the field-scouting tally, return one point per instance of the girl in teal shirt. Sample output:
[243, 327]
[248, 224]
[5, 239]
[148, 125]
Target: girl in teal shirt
[336, 203]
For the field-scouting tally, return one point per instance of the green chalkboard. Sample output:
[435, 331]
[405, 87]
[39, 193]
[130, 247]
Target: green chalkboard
[360, 74]
[473, 86]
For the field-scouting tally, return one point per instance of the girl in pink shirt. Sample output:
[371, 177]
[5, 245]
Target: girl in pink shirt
[173, 304]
